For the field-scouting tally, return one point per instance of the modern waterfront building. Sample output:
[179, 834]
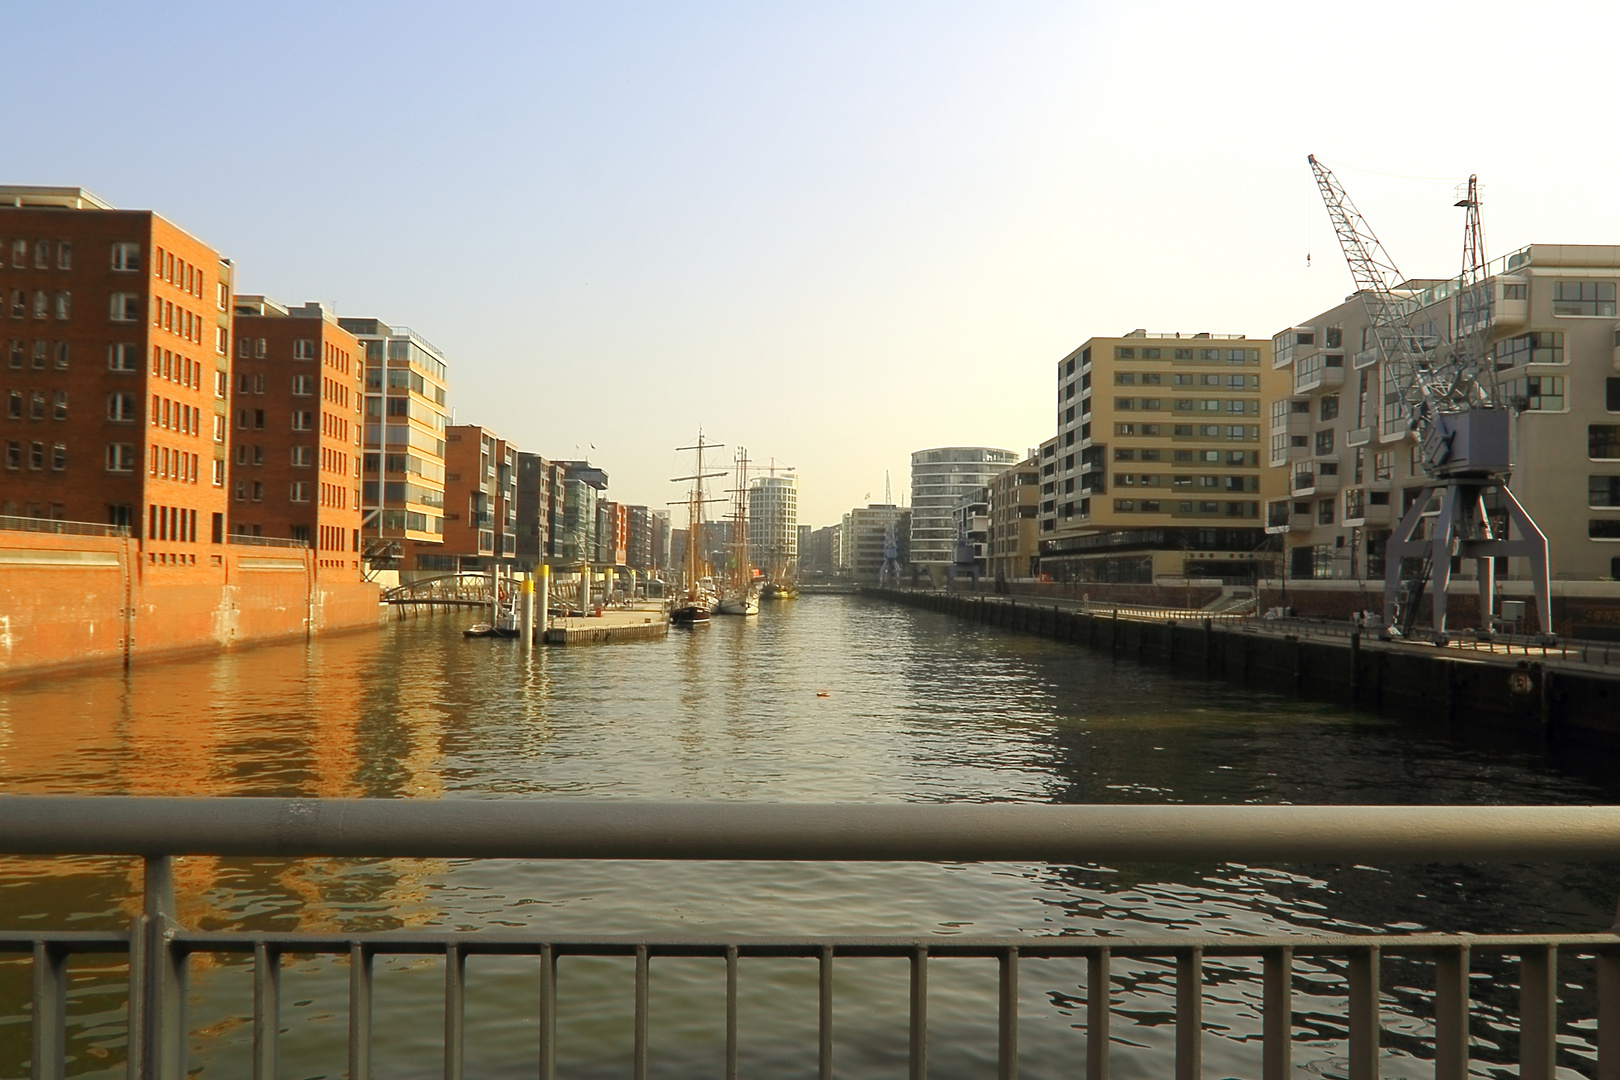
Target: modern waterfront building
[1015, 496]
[612, 533]
[970, 517]
[535, 487]
[402, 490]
[480, 501]
[868, 528]
[662, 554]
[773, 522]
[295, 425]
[1349, 468]
[804, 543]
[938, 478]
[1156, 469]
[115, 345]
[639, 546]
[573, 525]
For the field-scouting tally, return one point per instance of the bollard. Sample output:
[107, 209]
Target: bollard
[545, 599]
[527, 627]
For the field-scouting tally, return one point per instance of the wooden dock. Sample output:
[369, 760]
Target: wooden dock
[633, 624]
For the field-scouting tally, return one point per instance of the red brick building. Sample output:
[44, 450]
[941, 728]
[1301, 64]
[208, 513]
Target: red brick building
[295, 419]
[113, 348]
[471, 481]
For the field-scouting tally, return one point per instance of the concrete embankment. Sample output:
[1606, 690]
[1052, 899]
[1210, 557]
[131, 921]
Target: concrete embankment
[1570, 703]
[76, 601]
[610, 626]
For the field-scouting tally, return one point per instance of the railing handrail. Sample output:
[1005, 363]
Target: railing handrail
[836, 832]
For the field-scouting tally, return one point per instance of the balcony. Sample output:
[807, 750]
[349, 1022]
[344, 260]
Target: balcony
[1314, 374]
[1360, 436]
[1316, 482]
[1293, 421]
[1370, 516]
[1366, 358]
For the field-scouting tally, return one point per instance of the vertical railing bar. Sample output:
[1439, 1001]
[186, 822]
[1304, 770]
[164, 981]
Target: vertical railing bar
[50, 1012]
[548, 1013]
[1189, 1013]
[1278, 1013]
[918, 1056]
[163, 1039]
[731, 1012]
[359, 1011]
[640, 1061]
[1007, 1015]
[1364, 978]
[1538, 1013]
[266, 1010]
[135, 1027]
[1451, 1013]
[455, 1010]
[825, 1051]
[1099, 1004]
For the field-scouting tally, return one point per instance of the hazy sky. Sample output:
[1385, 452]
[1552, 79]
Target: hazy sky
[832, 233]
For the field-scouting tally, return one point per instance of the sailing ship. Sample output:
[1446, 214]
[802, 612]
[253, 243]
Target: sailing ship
[740, 594]
[698, 602]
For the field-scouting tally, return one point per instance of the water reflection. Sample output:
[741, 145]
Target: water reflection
[822, 699]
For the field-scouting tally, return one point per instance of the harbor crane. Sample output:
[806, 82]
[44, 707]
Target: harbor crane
[1445, 396]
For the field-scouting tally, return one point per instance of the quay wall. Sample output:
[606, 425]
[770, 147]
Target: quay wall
[1518, 696]
[69, 601]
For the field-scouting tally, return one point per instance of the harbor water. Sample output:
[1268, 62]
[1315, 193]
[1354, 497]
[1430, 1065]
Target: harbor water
[823, 699]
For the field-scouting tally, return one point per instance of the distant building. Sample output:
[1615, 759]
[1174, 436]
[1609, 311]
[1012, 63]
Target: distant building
[662, 537]
[804, 543]
[1157, 470]
[1015, 497]
[405, 420]
[612, 533]
[869, 529]
[471, 490]
[773, 522]
[573, 524]
[971, 519]
[535, 495]
[825, 549]
[639, 545]
[296, 399]
[938, 478]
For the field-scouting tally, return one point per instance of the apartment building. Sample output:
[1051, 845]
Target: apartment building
[402, 488]
[114, 330]
[1015, 497]
[970, 517]
[573, 519]
[536, 497]
[295, 417]
[612, 533]
[867, 530]
[939, 477]
[1340, 437]
[1156, 469]
[473, 529]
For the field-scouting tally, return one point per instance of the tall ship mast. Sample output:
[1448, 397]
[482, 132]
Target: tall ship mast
[698, 602]
[740, 595]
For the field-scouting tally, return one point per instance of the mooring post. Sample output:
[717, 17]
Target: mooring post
[545, 599]
[527, 627]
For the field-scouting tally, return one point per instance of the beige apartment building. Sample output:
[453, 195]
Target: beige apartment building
[1158, 469]
[1339, 438]
[1015, 501]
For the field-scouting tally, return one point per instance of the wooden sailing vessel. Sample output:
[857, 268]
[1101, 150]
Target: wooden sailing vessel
[697, 603]
[740, 593]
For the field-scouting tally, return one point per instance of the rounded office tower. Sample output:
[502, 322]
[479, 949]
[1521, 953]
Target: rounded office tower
[938, 478]
[773, 522]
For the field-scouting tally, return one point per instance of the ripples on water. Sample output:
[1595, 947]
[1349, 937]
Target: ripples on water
[917, 708]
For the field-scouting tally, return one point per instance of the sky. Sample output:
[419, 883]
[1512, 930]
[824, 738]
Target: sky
[832, 234]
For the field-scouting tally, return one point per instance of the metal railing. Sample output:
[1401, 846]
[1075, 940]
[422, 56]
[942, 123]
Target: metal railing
[158, 947]
[70, 528]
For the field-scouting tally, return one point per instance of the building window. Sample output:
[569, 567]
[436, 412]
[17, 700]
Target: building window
[1324, 511]
[303, 385]
[1603, 442]
[298, 491]
[1575, 298]
[303, 349]
[13, 455]
[36, 455]
[120, 457]
[1535, 393]
[302, 420]
[258, 419]
[1328, 408]
[303, 456]
[1515, 292]
[59, 456]
[1324, 441]
[1596, 529]
[1603, 491]
[219, 474]
[124, 307]
[1542, 347]
[126, 256]
[258, 491]
[123, 357]
[1611, 391]
[59, 404]
[121, 408]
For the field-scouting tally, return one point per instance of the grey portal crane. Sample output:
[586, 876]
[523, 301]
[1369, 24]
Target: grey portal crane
[1443, 393]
